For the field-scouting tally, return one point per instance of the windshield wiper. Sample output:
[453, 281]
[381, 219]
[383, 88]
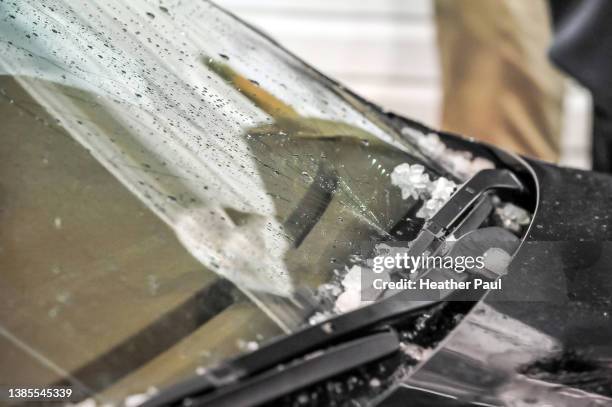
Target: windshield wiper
[469, 195]
[287, 348]
[284, 379]
[256, 370]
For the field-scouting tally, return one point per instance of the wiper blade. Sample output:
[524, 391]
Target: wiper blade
[300, 343]
[349, 326]
[310, 370]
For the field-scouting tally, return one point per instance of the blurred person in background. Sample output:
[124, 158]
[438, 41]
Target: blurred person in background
[498, 83]
[582, 47]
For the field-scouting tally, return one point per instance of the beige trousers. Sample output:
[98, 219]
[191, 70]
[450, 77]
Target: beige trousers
[498, 84]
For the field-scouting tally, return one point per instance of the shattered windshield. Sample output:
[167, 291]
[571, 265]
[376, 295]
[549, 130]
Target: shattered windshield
[175, 190]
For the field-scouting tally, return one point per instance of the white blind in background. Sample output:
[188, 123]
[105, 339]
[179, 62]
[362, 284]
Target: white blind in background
[385, 50]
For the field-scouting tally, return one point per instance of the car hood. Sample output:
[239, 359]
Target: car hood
[546, 337]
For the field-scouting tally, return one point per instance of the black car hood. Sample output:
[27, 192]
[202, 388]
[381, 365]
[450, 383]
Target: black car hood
[546, 337]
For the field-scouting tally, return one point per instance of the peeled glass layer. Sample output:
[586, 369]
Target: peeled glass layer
[239, 162]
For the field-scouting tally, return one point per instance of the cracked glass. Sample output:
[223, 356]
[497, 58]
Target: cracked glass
[175, 189]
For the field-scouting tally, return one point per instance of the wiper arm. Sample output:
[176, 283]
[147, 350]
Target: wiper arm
[285, 379]
[462, 201]
[300, 343]
[245, 368]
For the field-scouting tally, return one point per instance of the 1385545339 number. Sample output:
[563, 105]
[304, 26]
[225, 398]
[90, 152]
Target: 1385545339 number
[39, 393]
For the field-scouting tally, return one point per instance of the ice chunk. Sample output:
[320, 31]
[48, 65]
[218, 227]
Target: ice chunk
[415, 183]
[319, 317]
[247, 346]
[442, 188]
[431, 145]
[411, 179]
[440, 192]
[348, 301]
[414, 351]
[479, 164]
[352, 279]
[461, 163]
[512, 216]
[497, 260]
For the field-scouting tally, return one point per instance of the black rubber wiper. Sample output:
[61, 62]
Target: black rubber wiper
[300, 343]
[284, 379]
[250, 368]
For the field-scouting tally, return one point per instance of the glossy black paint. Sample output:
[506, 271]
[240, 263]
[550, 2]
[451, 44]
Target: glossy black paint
[547, 337]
